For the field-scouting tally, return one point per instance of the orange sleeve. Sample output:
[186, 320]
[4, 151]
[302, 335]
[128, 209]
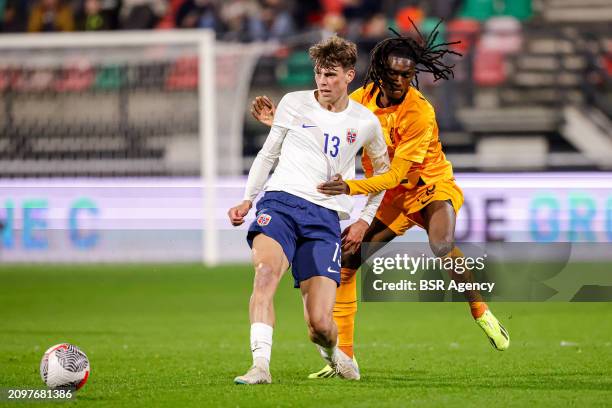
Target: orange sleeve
[366, 163]
[416, 137]
[381, 182]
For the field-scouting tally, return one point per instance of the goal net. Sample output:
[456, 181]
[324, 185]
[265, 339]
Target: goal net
[127, 113]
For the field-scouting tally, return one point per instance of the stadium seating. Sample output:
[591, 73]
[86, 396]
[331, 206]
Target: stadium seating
[480, 10]
[503, 34]
[75, 77]
[109, 77]
[297, 71]
[519, 57]
[519, 9]
[578, 12]
[427, 26]
[465, 31]
[405, 15]
[6, 77]
[489, 68]
[183, 74]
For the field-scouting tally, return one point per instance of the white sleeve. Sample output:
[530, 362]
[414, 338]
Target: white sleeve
[286, 111]
[376, 145]
[377, 151]
[267, 156]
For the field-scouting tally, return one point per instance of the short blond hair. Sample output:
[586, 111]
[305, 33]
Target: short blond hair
[333, 52]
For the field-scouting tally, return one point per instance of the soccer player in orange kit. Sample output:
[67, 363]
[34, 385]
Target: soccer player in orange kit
[421, 189]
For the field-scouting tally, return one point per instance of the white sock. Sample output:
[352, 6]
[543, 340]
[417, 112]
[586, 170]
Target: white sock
[261, 343]
[328, 353]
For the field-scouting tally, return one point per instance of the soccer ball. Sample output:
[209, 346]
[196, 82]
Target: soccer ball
[64, 366]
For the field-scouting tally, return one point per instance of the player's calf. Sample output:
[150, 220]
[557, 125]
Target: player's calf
[322, 330]
[264, 287]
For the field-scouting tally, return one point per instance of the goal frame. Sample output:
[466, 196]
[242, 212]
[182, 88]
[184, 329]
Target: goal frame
[204, 41]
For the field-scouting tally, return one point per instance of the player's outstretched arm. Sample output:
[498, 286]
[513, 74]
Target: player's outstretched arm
[381, 182]
[263, 110]
[259, 172]
[236, 214]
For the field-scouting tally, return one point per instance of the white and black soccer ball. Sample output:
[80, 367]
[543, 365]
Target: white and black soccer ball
[64, 366]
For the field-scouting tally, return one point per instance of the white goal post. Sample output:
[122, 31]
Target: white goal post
[202, 41]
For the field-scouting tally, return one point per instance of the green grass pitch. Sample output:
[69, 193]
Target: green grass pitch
[176, 335]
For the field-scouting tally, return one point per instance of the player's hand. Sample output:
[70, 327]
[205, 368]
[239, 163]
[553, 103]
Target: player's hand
[236, 214]
[353, 235]
[263, 109]
[335, 186]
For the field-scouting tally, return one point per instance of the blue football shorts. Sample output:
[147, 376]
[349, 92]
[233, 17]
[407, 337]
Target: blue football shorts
[308, 233]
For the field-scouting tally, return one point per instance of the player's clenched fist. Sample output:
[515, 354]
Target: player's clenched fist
[236, 214]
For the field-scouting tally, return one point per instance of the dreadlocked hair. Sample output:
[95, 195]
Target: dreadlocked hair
[426, 56]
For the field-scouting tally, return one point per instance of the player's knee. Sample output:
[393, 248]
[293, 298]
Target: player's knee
[265, 278]
[442, 246]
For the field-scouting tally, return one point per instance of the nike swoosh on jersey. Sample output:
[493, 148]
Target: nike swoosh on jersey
[426, 201]
[305, 126]
[330, 270]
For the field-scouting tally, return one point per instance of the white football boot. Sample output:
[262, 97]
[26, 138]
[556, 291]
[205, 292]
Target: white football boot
[344, 366]
[257, 374]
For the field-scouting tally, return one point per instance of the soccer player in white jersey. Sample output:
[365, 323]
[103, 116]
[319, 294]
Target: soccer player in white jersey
[315, 134]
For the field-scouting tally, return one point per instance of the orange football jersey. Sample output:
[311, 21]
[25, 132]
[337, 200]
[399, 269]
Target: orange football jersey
[411, 132]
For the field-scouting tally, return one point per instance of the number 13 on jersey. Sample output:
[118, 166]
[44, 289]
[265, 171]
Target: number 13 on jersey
[332, 143]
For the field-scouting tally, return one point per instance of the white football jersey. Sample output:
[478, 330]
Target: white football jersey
[315, 145]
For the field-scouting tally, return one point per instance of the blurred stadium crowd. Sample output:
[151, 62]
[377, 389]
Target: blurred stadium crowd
[531, 92]
[245, 20]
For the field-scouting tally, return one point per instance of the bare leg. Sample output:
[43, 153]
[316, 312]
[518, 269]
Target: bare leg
[440, 221]
[319, 295]
[270, 264]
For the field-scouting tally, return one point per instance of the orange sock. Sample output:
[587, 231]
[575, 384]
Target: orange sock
[478, 308]
[345, 309]
[477, 305]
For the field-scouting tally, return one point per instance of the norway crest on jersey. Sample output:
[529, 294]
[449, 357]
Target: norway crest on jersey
[351, 135]
[264, 219]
